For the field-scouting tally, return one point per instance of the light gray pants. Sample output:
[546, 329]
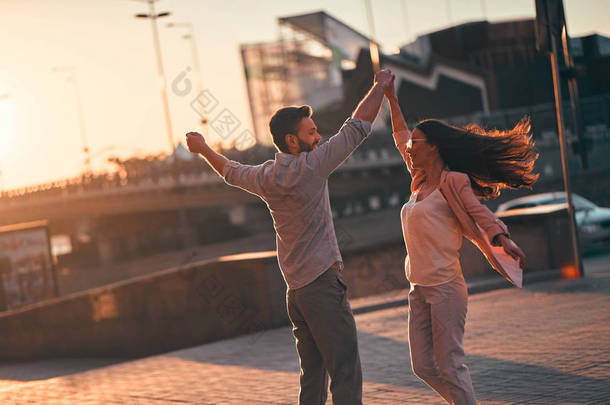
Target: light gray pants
[436, 329]
[326, 340]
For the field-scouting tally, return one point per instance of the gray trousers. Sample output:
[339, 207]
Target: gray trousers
[436, 329]
[326, 340]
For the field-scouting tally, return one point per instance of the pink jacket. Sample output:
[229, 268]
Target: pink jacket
[479, 224]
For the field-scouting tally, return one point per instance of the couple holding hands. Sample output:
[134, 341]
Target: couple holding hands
[450, 167]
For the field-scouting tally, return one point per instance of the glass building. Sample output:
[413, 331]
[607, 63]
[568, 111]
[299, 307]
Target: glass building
[302, 67]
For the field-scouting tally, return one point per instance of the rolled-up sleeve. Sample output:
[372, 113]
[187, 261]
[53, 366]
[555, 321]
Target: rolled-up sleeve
[328, 156]
[246, 177]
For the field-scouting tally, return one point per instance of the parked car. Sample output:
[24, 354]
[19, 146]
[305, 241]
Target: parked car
[593, 222]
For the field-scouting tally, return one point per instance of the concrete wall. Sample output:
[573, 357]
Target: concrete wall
[543, 236]
[230, 296]
[168, 310]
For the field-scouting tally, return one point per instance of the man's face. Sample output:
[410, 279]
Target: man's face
[308, 135]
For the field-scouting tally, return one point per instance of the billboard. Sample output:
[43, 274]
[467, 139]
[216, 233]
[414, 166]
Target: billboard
[27, 274]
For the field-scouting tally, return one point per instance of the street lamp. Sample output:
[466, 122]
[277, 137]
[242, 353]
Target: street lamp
[71, 77]
[198, 84]
[153, 16]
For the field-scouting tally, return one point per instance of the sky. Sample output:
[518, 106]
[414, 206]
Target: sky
[110, 57]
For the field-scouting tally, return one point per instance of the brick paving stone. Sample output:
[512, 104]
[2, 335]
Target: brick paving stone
[546, 344]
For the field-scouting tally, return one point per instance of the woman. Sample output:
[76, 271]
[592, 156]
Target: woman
[450, 167]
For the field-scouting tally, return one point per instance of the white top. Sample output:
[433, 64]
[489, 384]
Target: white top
[433, 237]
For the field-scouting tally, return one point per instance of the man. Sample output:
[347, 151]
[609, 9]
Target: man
[295, 187]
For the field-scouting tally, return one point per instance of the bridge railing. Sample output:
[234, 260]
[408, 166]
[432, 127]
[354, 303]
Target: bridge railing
[105, 183]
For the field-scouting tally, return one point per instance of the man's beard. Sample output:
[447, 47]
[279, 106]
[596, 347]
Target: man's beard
[303, 147]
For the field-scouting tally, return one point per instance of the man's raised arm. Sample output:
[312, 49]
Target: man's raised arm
[328, 156]
[369, 107]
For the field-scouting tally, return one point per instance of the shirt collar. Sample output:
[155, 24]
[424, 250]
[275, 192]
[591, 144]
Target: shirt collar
[283, 157]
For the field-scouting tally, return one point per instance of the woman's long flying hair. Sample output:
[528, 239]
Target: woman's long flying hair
[493, 159]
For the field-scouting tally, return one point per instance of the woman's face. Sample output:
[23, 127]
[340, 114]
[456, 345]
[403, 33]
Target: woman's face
[419, 151]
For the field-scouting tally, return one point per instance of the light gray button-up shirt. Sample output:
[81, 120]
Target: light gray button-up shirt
[295, 188]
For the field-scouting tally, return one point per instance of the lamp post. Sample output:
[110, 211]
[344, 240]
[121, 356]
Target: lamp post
[153, 16]
[198, 85]
[550, 26]
[71, 77]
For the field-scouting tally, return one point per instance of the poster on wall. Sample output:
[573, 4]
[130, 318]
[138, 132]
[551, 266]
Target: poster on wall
[26, 267]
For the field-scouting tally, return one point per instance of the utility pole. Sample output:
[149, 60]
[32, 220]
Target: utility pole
[153, 16]
[71, 77]
[198, 85]
[549, 23]
[570, 74]
[373, 47]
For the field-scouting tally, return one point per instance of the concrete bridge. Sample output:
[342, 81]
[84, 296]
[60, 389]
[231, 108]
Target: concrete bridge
[117, 219]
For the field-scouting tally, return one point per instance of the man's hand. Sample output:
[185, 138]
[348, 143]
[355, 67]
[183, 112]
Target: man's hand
[195, 142]
[368, 108]
[512, 249]
[384, 78]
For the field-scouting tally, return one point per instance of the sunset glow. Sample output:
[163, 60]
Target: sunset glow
[40, 136]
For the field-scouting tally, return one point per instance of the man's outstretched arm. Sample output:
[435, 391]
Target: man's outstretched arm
[197, 144]
[328, 156]
[246, 177]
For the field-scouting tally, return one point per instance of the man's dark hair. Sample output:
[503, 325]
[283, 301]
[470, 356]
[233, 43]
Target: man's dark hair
[286, 121]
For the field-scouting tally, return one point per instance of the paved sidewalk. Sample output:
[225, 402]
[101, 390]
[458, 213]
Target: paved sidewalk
[546, 344]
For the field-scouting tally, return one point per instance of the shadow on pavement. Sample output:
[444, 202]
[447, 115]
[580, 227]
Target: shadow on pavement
[45, 369]
[386, 361]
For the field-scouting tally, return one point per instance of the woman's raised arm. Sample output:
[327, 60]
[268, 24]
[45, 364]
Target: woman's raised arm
[400, 129]
[401, 134]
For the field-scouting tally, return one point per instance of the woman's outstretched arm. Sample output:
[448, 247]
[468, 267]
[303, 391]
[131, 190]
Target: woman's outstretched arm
[400, 129]
[402, 135]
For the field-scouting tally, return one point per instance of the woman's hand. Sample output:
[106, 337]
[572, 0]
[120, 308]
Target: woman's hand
[389, 91]
[512, 249]
[384, 78]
